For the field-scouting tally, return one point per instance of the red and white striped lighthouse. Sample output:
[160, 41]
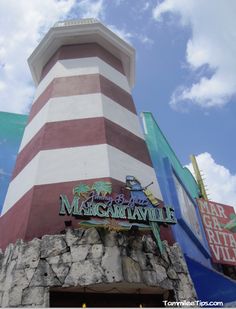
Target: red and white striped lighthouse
[82, 127]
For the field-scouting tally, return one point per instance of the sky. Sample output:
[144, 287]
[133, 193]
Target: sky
[185, 70]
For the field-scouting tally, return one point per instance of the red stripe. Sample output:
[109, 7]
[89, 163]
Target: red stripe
[83, 51]
[85, 84]
[13, 224]
[82, 132]
[37, 212]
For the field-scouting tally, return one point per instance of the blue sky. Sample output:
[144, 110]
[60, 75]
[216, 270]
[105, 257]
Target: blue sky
[185, 69]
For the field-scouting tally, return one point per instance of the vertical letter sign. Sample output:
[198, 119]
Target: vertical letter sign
[220, 226]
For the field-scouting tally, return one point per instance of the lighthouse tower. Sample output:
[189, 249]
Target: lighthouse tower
[82, 127]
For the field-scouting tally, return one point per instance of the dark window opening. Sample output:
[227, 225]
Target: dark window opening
[78, 299]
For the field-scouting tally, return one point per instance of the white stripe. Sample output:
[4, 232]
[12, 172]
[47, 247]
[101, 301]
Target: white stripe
[80, 107]
[122, 164]
[78, 163]
[82, 66]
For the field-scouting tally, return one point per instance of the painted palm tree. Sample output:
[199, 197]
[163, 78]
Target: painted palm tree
[81, 190]
[102, 187]
[231, 225]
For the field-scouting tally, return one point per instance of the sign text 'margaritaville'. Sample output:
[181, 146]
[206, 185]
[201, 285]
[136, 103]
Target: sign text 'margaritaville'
[119, 208]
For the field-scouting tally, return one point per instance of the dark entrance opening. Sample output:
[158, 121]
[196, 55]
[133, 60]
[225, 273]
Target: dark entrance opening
[78, 299]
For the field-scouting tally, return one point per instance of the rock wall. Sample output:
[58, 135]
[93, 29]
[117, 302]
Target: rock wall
[86, 257]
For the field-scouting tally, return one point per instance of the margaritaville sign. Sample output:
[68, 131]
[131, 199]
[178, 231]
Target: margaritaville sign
[220, 225]
[118, 208]
[141, 209]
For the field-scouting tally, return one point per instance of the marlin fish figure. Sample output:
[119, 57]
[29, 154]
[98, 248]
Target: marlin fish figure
[136, 189]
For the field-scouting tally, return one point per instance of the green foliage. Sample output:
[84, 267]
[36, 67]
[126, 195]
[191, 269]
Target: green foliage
[156, 232]
[81, 190]
[231, 225]
[102, 187]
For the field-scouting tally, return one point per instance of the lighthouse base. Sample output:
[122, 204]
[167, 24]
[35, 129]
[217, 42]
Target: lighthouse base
[88, 266]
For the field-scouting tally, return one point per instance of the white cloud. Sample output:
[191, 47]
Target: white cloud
[118, 2]
[125, 35]
[131, 36]
[3, 173]
[212, 44]
[145, 39]
[221, 184]
[90, 9]
[22, 24]
[146, 6]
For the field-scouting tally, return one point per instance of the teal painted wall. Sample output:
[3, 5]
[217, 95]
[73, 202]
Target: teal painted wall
[158, 145]
[11, 131]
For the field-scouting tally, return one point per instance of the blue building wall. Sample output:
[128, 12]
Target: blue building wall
[167, 166]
